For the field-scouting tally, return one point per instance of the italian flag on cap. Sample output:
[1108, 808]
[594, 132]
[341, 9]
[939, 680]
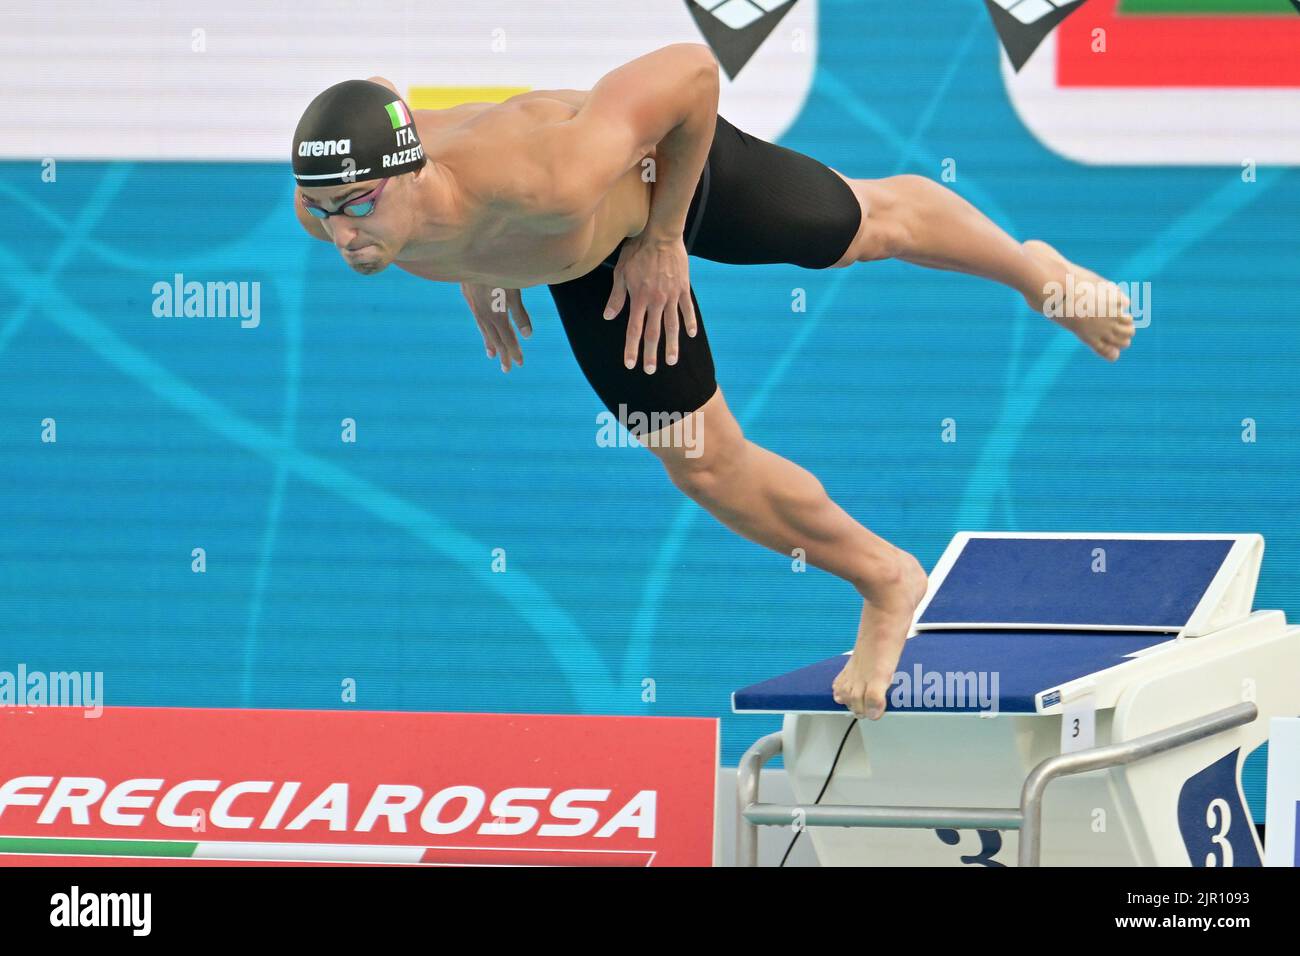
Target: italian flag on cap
[398, 114]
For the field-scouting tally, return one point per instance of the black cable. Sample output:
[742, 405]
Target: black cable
[834, 763]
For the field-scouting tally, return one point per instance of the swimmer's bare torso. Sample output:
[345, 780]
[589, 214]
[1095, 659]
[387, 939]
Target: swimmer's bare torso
[480, 152]
[541, 188]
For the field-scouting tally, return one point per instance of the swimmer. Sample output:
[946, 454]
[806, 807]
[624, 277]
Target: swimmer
[551, 188]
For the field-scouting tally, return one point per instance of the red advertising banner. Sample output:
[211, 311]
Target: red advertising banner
[162, 785]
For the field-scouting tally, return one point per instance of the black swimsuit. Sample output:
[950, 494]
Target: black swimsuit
[755, 202]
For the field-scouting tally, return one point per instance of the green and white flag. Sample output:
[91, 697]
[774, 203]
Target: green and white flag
[398, 114]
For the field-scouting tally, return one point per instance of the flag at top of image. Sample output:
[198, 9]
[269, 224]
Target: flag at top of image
[1166, 82]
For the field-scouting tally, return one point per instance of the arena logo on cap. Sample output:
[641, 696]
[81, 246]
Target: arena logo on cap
[325, 147]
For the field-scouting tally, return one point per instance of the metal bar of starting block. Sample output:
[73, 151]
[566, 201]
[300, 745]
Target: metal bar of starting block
[747, 774]
[1028, 819]
[1114, 755]
[915, 818]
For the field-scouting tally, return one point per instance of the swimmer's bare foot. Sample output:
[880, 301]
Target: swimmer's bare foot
[1098, 311]
[886, 619]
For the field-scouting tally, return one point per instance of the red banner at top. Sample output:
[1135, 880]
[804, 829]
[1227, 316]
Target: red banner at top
[1243, 50]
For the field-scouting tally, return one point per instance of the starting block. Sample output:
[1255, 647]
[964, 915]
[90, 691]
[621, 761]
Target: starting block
[1073, 699]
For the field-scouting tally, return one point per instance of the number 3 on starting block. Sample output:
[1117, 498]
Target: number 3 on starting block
[1214, 822]
[1079, 723]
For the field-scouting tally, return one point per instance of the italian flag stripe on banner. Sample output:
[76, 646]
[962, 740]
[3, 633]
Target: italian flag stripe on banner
[224, 851]
[211, 850]
[398, 114]
[92, 847]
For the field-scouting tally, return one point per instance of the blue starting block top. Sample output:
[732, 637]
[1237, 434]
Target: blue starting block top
[1010, 667]
[1010, 618]
[1058, 582]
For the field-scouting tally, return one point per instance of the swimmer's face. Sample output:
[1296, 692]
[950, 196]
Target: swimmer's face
[368, 243]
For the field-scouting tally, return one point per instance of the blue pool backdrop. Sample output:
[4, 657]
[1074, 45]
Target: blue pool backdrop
[373, 561]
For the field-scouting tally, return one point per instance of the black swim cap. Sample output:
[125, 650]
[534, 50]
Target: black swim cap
[355, 130]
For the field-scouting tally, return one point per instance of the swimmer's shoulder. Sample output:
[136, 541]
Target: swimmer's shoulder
[500, 154]
[523, 111]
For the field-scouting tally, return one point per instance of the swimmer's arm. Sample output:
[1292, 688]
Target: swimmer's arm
[309, 222]
[627, 114]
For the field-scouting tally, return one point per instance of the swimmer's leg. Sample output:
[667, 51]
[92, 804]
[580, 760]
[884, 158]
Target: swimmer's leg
[775, 503]
[757, 494]
[921, 221]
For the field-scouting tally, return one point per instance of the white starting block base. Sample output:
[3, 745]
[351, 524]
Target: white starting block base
[1182, 806]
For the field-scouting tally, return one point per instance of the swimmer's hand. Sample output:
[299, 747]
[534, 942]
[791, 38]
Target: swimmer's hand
[492, 307]
[655, 272]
